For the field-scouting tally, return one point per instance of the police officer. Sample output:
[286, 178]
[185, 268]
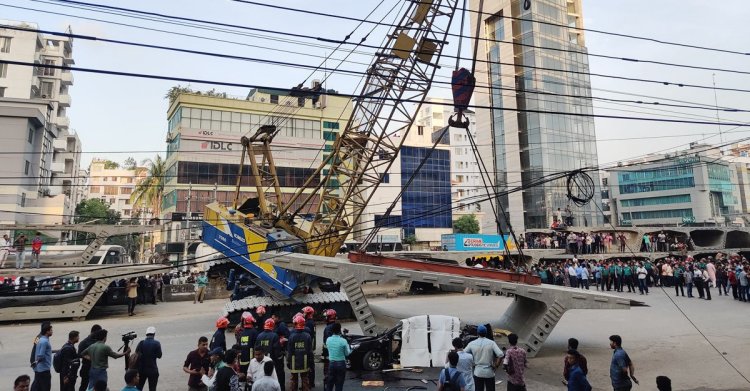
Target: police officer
[330, 321]
[219, 340]
[247, 341]
[269, 341]
[300, 352]
[308, 313]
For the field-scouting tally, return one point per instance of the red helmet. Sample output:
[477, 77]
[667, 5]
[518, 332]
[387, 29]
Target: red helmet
[248, 320]
[299, 322]
[269, 324]
[261, 310]
[222, 323]
[308, 311]
[298, 314]
[330, 314]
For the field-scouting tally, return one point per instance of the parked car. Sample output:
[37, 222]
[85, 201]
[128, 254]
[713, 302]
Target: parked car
[372, 353]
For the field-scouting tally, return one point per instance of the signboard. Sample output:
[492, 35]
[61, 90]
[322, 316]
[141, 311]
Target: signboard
[474, 242]
[179, 216]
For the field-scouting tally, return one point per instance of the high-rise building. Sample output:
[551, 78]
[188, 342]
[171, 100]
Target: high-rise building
[204, 150]
[115, 185]
[39, 182]
[466, 185]
[528, 63]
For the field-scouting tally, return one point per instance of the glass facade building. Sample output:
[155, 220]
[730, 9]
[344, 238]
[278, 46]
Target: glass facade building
[538, 73]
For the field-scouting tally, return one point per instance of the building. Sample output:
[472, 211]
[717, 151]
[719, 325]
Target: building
[739, 156]
[204, 150]
[39, 183]
[114, 186]
[466, 184]
[519, 61]
[691, 187]
[424, 211]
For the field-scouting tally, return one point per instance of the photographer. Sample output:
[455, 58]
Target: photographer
[99, 354]
[149, 350]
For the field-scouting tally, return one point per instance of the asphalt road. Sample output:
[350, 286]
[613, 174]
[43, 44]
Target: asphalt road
[659, 339]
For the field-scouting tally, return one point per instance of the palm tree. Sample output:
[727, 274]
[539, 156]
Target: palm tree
[149, 191]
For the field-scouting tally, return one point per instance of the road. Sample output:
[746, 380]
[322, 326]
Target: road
[659, 339]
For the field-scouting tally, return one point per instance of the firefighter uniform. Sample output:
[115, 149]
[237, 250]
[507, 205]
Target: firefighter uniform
[310, 328]
[247, 344]
[300, 359]
[269, 341]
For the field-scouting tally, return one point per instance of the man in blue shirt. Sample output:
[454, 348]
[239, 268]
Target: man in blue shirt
[43, 362]
[150, 351]
[621, 369]
[338, 350]
[487, 357]
[452, 375]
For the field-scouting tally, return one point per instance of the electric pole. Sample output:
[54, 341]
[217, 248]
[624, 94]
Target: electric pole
[187, 224]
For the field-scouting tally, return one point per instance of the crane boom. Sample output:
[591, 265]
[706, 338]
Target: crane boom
[400, 76]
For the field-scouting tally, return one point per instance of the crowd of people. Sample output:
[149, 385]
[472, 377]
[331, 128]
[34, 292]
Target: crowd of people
[725, 273]
[17, 247]
[603, 242]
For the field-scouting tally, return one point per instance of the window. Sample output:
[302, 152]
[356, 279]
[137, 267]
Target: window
[3, 70]
[385, 178]
[5, 44]
[420, 130]
[110, 190]
[126, 212]
[31, 136]
[275, 99]
[114, 179]
[126, 190]
[111, 201]
[2, 92]
[48, 71]
[46, 88]
[23, 199]
[301, 101]
[27, 168]
[95, 189]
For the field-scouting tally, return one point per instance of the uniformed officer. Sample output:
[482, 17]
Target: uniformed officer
[260, 314]
[300, 352]
[330, 321]
[269, 341]
[308, 313]
[247, 341]
[219, 340]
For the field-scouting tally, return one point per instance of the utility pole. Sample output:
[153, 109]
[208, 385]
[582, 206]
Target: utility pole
[187, 224]
[216, 187]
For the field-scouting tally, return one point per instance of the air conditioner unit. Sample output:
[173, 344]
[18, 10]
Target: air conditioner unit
[44, 96]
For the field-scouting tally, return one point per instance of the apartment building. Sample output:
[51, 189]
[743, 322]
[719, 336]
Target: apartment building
[114, 186]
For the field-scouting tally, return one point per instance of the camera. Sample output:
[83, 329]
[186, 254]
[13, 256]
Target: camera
[129, 336]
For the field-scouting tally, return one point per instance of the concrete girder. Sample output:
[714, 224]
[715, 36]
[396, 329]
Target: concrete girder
[533, 314]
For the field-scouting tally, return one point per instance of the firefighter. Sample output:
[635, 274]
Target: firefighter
[308, 313]
[247, 341]
[269, 341]
[260, 313]
[330, 321]
[219, 340]
[300, 352]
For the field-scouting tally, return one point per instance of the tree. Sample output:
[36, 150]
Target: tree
[110, 165]
[95, 211]
[467, 224]
[411, 239]
[148, 193]
[130, 164]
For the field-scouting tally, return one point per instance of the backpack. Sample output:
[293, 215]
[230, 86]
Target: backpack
[451, 382]
[57, 363]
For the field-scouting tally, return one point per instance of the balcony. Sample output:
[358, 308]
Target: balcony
[66, 77]
[62, 122]
[57, 167]
[64, 100]
[59, 145]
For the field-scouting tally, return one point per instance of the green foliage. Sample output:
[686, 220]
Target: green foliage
[149, 192]
[411, 239]
[110, 165]
[95, 211]
[130, 163]
[467, 224]
[175, 91]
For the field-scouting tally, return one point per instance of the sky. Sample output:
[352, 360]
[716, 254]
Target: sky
[117, 117]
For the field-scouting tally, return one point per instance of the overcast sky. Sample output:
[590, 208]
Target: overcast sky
[116, 114]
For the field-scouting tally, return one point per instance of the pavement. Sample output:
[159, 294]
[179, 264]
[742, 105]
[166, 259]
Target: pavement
[661, 339]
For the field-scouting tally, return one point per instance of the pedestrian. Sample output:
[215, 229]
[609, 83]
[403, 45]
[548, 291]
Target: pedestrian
[487, 357]
[744, 286]
[219, 339]
[621, 369]
[86, 363]
[200, 287]
[707, 282]
[69, 362]
[330, 316]
[196, 365]
[248, 335]
[269, 341]
[132, 379]
[338, 351]
[679, 280]
[722, 280]
[36, 249]
[465, 363]
[300, 356]
[515, 363]
[580, 360]
[22, 383]
[451, 378]
[149, 350]
[577, 377]
[642, 273]
[268, 381]
[226, 379]
[155, 287]
[256, 370]
[20, 244]
[132, 289]
[43, 362]
[5, 247]
[99, 353]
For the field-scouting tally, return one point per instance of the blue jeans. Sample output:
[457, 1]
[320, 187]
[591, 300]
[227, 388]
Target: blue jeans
[96, 374]
[690, 289]
[336, 375]
[642, 285]
[20, 259]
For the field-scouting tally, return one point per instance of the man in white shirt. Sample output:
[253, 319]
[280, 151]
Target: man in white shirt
[487, 357]
[642, 273]
[255, 370]
[5, 246]
[572, 276]
[267, 382]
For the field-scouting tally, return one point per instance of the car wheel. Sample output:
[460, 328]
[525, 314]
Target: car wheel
[372, 361]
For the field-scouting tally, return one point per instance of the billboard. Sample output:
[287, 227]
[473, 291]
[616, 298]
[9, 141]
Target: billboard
[476, 242]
